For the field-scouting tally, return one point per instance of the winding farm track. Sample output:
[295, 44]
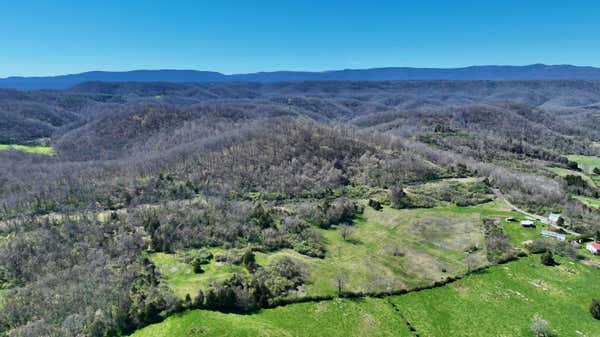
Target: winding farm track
[534, 216]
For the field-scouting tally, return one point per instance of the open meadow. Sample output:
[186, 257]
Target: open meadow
[507, 297]
[337, 317]
[387, 250]
[45, 150]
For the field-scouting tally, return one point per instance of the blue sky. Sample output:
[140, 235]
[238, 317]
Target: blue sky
[58, 37]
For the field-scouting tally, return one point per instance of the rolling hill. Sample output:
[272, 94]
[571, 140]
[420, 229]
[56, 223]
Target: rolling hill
[206, 205]
[487, 72]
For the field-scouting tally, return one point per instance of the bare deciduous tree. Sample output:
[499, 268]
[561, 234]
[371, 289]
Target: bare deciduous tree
[339, 281]
[346, 231]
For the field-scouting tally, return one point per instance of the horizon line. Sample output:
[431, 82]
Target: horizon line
[300, 71]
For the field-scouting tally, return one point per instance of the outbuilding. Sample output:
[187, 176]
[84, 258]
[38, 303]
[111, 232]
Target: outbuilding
[555, 219]
[593, 247]
[528, 224]
[555, 235]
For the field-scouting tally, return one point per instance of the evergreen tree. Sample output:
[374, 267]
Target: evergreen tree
[197, 265]
[249, 260]
[199, 300]
[548, 259]
[595, 309]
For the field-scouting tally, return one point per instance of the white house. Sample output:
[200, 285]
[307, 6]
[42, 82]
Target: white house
[593, 247]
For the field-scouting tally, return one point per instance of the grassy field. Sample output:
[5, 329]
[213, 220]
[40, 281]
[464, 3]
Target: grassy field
[517, 233]
[388, 250]
[591, 202]
[430, 244]
[501, 301]
[182, 280]
[586, 163]
[347, 318]
[27, 148]
[563, 172]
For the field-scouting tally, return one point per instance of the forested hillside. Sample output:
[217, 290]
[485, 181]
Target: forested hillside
[277, 183]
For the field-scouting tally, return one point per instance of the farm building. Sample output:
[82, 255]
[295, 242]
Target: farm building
[511, 219]
[593, 247]
[555, 235]
[528, 224]
[555, 219]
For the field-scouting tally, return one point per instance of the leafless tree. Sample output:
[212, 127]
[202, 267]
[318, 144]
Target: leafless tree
[346, 231]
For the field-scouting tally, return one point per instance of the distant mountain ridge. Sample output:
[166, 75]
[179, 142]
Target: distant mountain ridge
[492, 72]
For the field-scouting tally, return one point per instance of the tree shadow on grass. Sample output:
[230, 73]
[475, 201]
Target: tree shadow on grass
[353, 241]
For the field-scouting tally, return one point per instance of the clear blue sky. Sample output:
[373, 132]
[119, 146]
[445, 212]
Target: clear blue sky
[58, 37]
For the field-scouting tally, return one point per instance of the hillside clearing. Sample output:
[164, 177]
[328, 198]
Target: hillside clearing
[181, 278]
[45, 150]
[586, 163]
[388, 250]
[591, 202]
[563, 172]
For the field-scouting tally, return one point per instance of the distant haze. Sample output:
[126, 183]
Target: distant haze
[492, 72]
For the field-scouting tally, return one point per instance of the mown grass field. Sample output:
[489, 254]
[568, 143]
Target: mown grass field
[344, 318]
[45, 150]
[501, 301]
[517, 233]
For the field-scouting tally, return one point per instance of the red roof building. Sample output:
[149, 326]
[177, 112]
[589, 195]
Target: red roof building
[593, 247]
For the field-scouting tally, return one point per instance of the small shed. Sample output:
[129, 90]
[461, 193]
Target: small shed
[593, 247]
[511, 219]
[554, 218]
[554, 235]
[528, 224]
